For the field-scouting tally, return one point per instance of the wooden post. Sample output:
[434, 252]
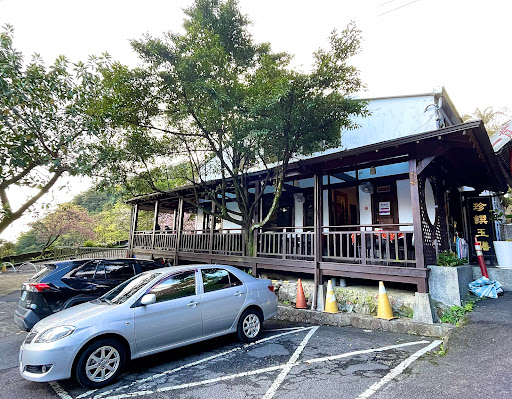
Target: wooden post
[212, 227]
[174, 221]
[155, 223]
[133, 226]
[257, 215]
[363, 246]
[416, 220]
[179, 227]
[318, 214]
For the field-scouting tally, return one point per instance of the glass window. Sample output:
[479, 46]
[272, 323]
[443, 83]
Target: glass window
[218, 279]
[118, 270]
[86, 271]
[100, 272]
[177, 286]
[125, 290]
[145, 266]
[234, 280]
[215, 279]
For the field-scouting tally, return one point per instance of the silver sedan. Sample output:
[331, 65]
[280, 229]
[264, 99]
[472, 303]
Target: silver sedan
[152, 312]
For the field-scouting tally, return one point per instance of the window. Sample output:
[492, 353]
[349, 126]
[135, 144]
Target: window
[145, 266]
[177, 286]
[86, 272]
[218, 279]
[118, 270]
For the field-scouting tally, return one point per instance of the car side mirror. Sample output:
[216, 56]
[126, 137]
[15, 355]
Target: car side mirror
[148, 299]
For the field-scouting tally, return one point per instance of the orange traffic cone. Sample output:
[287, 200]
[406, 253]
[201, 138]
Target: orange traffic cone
[301, 299]
[384, 310]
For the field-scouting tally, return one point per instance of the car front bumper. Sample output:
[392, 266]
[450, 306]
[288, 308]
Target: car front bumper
[43, 362]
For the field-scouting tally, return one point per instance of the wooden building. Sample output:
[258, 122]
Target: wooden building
[379, 211]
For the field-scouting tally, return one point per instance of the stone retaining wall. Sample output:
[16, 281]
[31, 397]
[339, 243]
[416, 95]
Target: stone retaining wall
[352, 299]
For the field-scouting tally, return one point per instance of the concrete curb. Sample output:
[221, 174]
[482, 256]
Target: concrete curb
[403, 326]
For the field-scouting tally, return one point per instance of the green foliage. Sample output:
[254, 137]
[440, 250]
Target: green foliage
[45, 130]
[448, 258]
[442, 351]
[456, 314]
[6, 248]
[95, 200]
[29, 242]
[113, 224]
[225, 103]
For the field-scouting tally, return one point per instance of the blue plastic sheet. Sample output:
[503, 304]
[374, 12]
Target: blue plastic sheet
[484, 287]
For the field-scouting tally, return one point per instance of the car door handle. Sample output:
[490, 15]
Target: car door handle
[193, 304]
[238, 293]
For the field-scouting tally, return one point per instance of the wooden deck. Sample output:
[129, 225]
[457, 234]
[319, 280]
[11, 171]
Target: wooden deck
[362, 251]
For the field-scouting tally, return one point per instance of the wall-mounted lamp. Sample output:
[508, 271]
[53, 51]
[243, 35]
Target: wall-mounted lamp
[373, 170]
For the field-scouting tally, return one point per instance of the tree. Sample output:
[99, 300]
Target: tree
[44, 127]
[113, 224]
[6, 248]
[228, 106]
[67, 219]
[96, 201]
[492, 119]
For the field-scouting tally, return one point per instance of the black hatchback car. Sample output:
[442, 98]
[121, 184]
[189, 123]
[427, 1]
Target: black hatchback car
[63, 284]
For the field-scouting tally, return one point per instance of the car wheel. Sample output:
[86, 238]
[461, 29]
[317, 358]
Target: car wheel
[249, 325]
[100, 363]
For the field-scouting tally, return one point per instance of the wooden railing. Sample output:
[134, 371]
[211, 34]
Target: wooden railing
[142, 239]
[228, 242]
[195, 241]
[361, 244]
[62, 253]
[369, 244]
[286, 243]
[165, 239]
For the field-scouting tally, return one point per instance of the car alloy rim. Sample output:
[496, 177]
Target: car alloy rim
[102, 363]
[251, 326]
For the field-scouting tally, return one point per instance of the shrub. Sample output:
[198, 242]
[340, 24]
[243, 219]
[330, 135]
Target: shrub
[448, 258]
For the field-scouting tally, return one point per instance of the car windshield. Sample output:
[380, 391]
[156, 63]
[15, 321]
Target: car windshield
[122, 292]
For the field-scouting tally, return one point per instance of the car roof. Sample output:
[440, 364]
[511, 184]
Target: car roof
[170, 269]
[83, 260]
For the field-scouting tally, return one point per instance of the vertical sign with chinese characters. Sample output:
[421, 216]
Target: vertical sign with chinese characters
[481, 224]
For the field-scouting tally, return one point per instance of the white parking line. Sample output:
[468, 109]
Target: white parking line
[188, 365]
[60, 391]
[398, 370]
[293, 359]
[285, 367]
[363, 351]
[85, 394]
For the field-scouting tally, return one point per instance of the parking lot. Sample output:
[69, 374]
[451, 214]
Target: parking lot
[289, 361]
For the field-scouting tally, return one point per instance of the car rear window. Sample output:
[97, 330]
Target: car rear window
[42, 273]
[86, 271]
[118, 270]
[145, 266]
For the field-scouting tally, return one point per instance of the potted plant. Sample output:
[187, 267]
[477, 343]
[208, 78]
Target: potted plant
[503, 248]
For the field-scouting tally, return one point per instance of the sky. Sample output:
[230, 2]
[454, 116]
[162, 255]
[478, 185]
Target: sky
[409, 46]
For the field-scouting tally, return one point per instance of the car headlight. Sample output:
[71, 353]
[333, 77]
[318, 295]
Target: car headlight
[54, 334]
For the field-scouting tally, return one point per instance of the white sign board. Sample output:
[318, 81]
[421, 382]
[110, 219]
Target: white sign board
[502, 136]
[385, 208]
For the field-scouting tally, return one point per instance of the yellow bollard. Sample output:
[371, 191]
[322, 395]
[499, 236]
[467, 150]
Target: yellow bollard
[4, 268]
[331, 306]
[384, 310]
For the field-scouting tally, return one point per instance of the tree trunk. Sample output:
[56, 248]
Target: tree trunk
[250, 249]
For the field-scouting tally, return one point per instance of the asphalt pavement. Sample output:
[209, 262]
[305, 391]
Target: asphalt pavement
[477, 364]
